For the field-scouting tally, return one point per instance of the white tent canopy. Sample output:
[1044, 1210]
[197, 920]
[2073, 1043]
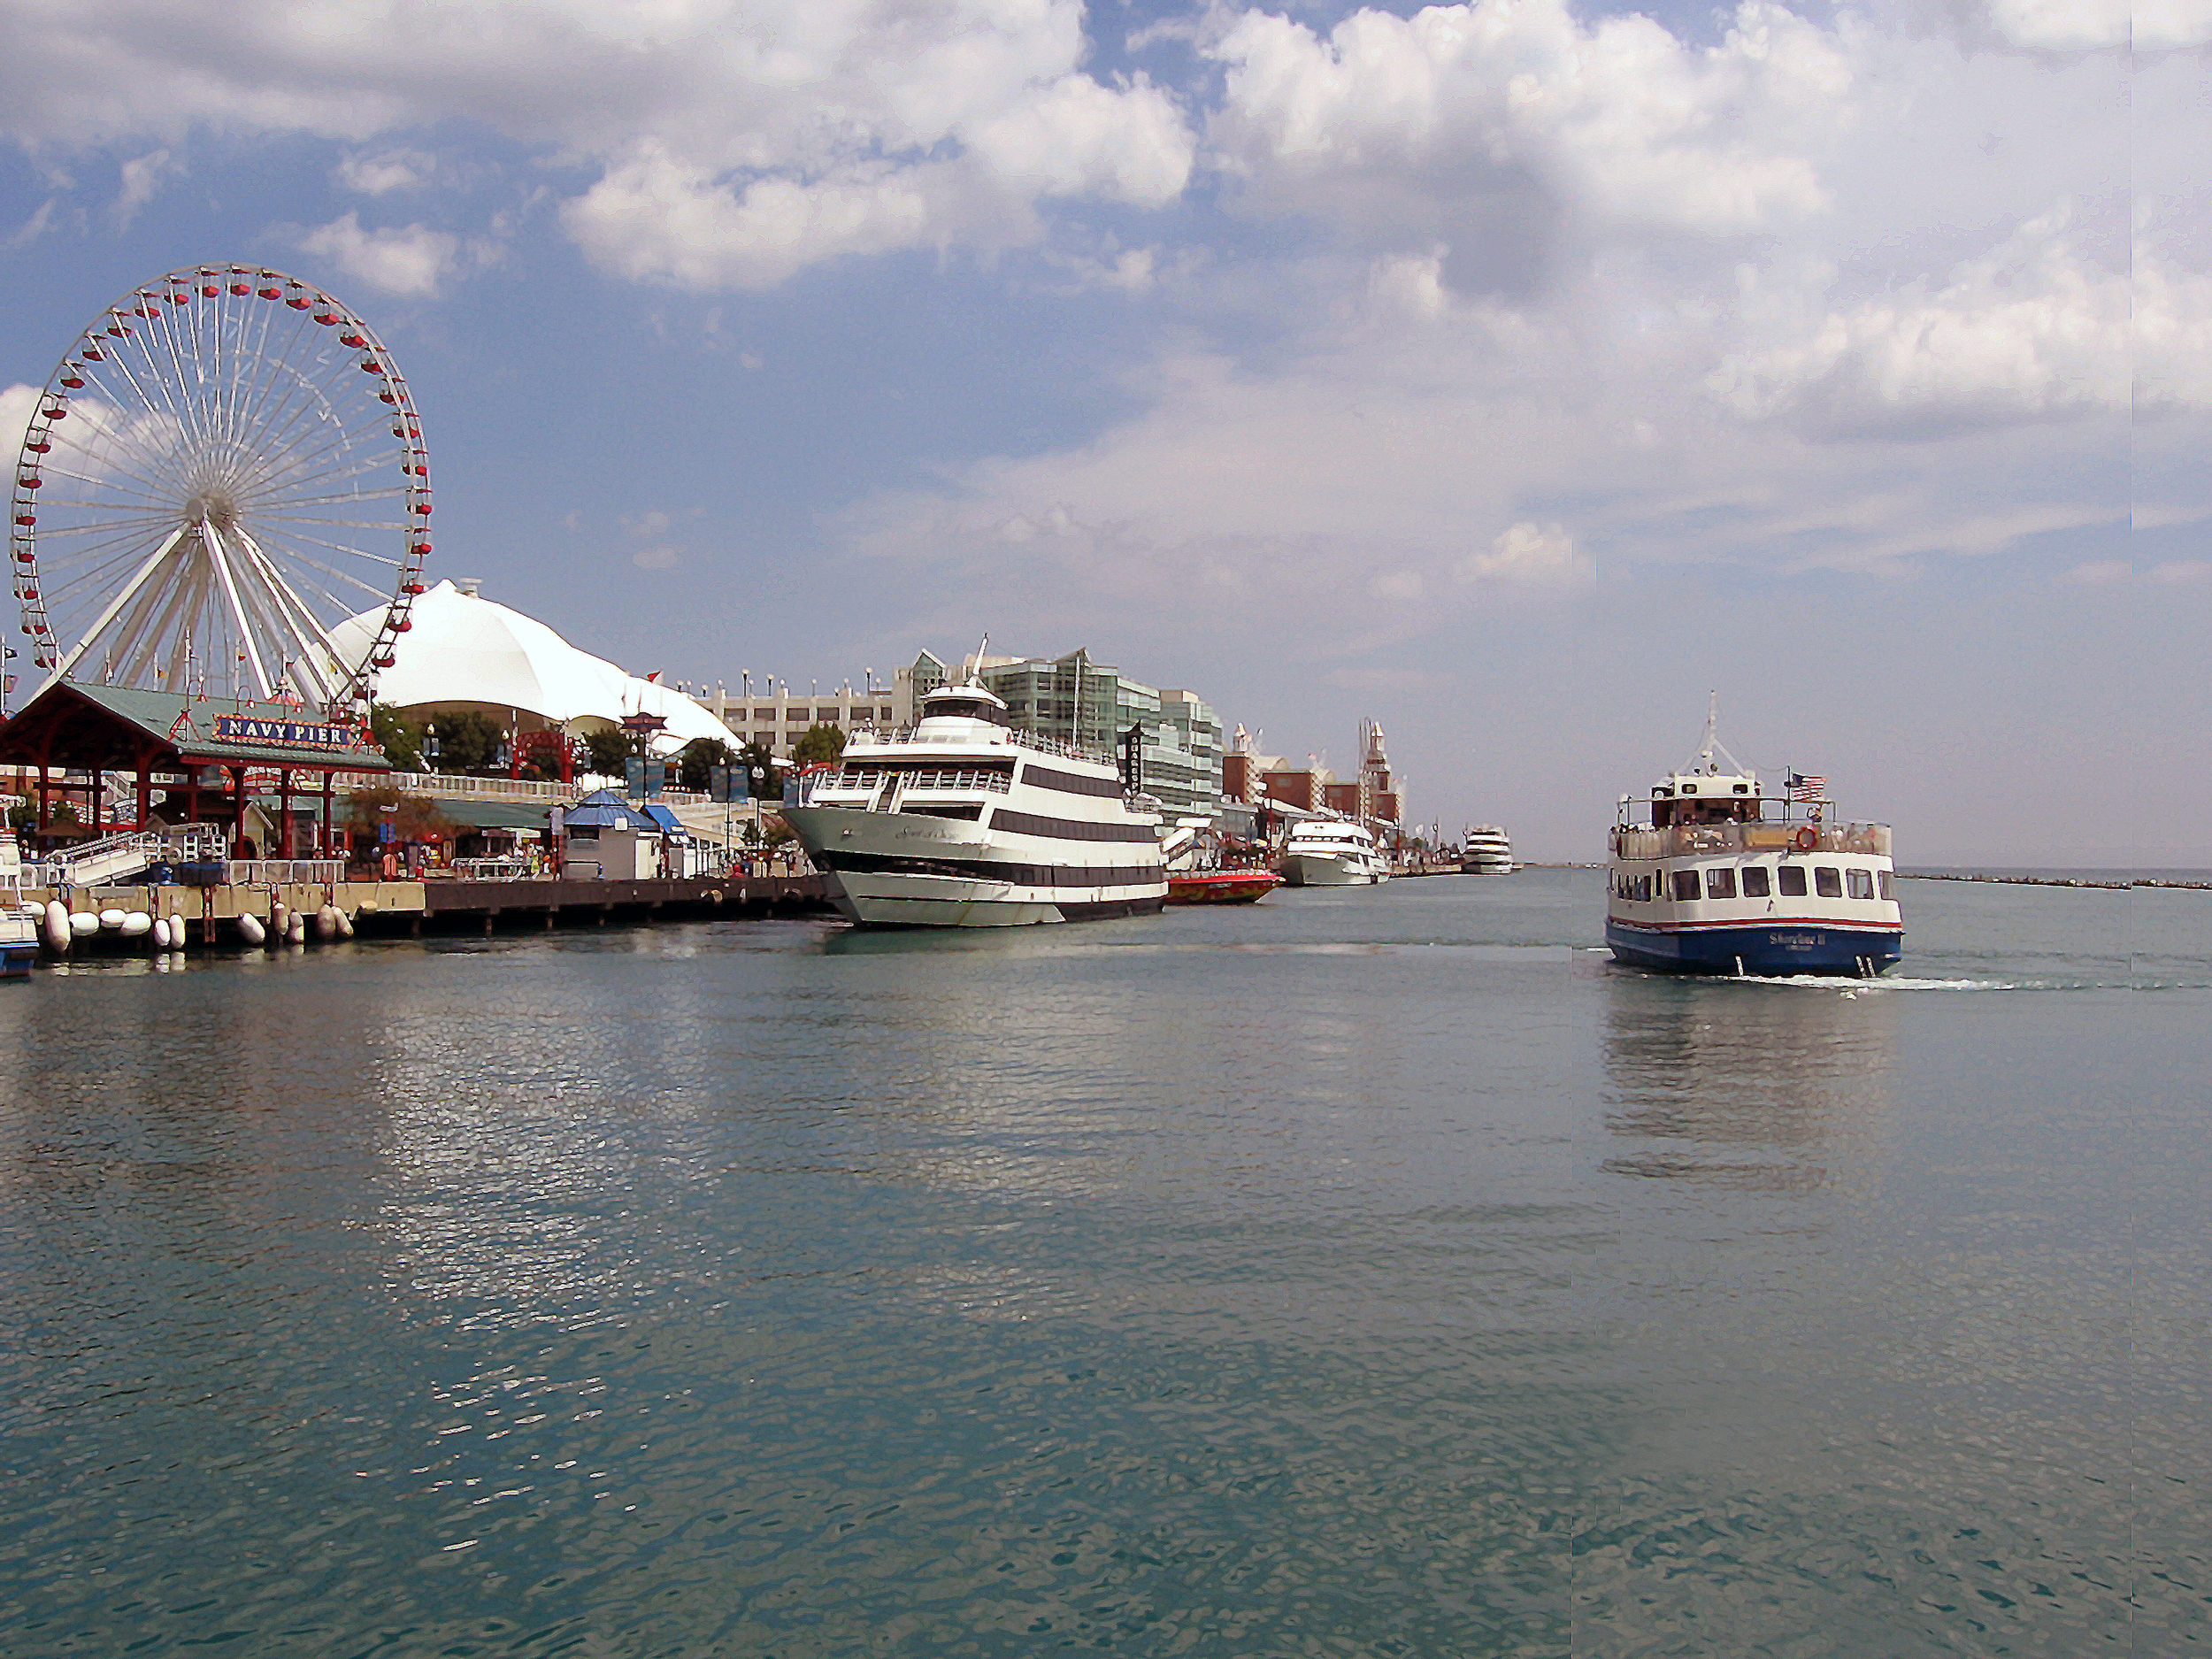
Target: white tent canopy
[464, 651]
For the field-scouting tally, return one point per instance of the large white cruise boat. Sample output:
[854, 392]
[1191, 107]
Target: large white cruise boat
[1486, 850]
[1326, 852]
[1712, 874]
[962, 822]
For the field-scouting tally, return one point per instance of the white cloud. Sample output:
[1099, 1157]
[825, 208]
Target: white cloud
[411, 262]
[735, 144]
[2072, 26]
[385, 172]
[17, 402]
[2179, 571]
[1528, 555]
[142, 177]
[1400, 122]
[2098, 573]
[656, 558]
[2030, 329]
[655, 216]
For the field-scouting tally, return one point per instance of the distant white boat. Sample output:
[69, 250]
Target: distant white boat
[1332, 853]
[1486, 850]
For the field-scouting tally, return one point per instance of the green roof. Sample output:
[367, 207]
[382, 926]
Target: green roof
[238, 730]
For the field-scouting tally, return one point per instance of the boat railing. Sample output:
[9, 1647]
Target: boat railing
[1676, 840]
[1015, 735]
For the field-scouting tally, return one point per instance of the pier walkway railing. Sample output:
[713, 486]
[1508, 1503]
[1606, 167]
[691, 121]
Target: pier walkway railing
[1688, 840]
[460, 786]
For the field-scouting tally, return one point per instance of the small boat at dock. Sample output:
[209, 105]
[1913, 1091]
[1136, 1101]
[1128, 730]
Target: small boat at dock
[1220, 886]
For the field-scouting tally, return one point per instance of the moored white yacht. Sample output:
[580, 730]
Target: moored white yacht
[18, 923]
[1486, 850]
[962, 822]
[1712, 874]
[1327, 852]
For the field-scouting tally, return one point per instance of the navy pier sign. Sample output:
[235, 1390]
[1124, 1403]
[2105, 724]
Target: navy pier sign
[253, 728]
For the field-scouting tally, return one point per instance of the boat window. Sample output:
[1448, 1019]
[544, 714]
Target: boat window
[1828, 882]
[1643, 888]
[1792, 880]
[1862, 883]
[1755, 882]
[1888, 892]
[1720, 884]
[1685, 884]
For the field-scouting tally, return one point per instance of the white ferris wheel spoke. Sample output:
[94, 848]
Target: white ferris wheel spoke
[145, 572]
[213, 543]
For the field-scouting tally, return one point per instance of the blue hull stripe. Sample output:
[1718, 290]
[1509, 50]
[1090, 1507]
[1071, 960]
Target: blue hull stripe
[1762, 947]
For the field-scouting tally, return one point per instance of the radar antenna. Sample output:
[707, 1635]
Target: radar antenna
[1705, 763]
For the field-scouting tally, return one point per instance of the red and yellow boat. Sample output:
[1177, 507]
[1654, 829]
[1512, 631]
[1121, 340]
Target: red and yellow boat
[1220, 886]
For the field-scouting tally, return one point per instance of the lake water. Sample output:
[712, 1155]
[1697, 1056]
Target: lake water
[1368, 1273]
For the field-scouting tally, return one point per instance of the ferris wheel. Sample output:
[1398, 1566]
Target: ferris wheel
[224, 467]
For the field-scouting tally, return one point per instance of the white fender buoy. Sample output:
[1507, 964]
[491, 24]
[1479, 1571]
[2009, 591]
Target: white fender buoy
[58, 932]
[345, 925]
[326, 922]
[136, 924]
[112, 919]
[161, 932]
[295, 930]
[279, 914]
[249, 928]
[83, 924]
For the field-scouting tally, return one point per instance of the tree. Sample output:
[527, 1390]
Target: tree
[399, 737]
[695, 760]
[757, 758]
[467, 740]
[609, 749]
[415, 818]
[822, 742]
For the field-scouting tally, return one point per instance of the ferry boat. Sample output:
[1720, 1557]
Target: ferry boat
[19, 924]
[1713, 874]
[1324, 852]
[1486, 850]
[962, 822]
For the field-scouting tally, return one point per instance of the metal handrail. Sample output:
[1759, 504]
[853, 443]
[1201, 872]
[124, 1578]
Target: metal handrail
[243, 872]
[1759, 836]
[516, 789]
[1014, 735]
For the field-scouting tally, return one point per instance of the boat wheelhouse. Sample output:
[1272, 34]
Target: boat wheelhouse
[1327, 852]
[962, 822]
[1713, 873]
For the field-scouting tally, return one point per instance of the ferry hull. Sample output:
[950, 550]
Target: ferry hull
[1766, 950]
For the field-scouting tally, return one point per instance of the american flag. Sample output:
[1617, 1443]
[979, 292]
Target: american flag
[1808, 789]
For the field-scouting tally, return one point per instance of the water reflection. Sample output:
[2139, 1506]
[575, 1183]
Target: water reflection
[1776, 1086]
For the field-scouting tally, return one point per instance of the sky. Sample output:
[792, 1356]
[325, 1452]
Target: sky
[1515, 375]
